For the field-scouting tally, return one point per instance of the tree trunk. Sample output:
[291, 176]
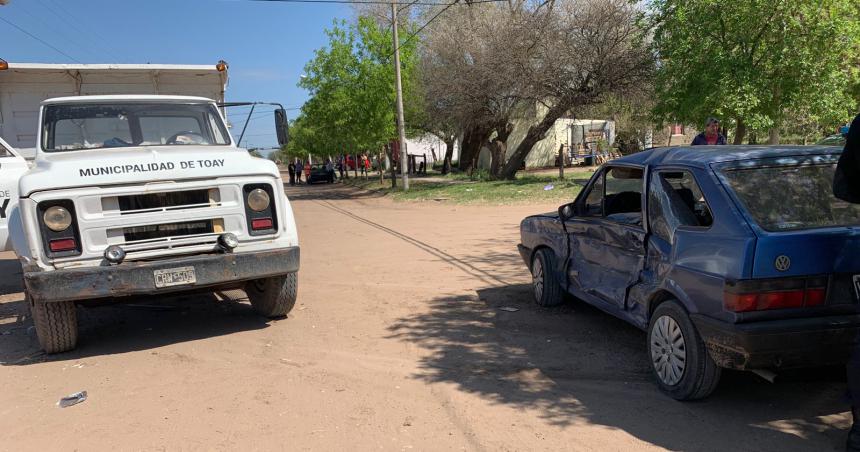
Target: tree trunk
[773, 136]
[499, 148]
[449, 154]
[753, 138]
[473, 140]
[561, 161]
[536, 133]
[740, 132]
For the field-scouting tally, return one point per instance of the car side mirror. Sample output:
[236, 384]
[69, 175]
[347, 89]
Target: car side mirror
[282, 127]
[566, 212]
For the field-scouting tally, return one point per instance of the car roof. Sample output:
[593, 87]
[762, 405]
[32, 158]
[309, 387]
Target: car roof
[702, 156]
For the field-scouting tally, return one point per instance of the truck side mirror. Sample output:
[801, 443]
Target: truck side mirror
[282, 127]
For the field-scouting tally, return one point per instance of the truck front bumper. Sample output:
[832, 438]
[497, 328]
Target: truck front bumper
[138, 278]
[790, 343]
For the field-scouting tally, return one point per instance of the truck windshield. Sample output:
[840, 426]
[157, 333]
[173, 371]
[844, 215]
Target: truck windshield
[792, 194]
[74, 127]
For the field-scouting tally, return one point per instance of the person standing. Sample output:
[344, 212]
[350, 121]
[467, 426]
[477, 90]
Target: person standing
[308, 171]
[711, 136]
[846, 186]
[292, 169]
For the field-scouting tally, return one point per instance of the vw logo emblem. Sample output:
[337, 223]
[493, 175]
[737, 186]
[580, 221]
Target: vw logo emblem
[782, 263]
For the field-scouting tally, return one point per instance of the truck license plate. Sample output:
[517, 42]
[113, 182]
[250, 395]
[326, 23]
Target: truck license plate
[175, 276]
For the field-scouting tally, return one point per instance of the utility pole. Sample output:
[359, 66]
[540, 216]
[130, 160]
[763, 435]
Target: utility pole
[401, 129]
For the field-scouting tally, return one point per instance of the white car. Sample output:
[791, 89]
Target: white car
[12, 166]
[145, 195]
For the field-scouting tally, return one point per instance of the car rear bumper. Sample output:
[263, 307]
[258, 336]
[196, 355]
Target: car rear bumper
[806, 342]
[138, 278]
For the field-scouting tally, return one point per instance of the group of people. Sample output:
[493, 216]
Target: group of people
[343, 165]
[296, 168]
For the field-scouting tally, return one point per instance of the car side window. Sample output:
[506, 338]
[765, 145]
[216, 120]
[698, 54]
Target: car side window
[675, 199]
[623, 200]
[594, 200]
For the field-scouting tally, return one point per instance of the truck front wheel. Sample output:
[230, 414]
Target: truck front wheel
[56, 325]
[275, 296]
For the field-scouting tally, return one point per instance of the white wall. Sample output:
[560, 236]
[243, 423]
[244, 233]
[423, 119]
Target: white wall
[423, 145]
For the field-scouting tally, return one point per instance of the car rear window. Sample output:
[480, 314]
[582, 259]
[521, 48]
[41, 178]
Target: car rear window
[792, 194]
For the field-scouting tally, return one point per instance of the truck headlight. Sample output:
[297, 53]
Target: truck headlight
[258, 200]
[57, 219]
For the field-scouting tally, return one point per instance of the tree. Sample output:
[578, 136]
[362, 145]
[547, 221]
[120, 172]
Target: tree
[753, 61]
[351, 86]
[586, 51]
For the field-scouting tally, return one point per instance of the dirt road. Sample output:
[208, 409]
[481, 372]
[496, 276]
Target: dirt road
[397, 343]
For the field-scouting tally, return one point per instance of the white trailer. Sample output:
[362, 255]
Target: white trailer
[23, 86]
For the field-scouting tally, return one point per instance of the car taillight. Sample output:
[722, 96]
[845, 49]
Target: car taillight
[58, 227]
[763, 295]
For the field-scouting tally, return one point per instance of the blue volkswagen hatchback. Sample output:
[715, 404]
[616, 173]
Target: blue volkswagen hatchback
[729, 257]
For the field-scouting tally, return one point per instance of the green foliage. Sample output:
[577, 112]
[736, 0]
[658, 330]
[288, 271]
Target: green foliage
[756, 61]
[352, 95]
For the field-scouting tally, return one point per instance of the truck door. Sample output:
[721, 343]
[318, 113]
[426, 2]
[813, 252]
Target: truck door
[12, 166]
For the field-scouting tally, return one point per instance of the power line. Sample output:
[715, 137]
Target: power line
[413, 35]
[71, 19]
[60, 32]
[41, 40]
[358, 2]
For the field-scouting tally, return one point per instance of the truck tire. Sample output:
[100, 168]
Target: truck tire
[275, 296]
[680, 362]
[545, 283]
[56, 325]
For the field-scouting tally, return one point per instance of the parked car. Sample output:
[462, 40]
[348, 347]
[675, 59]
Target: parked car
[319, 173]
[734, 257]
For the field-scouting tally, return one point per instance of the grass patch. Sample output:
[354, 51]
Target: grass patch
[460, 189]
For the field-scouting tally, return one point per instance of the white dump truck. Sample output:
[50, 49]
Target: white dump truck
[145, 195]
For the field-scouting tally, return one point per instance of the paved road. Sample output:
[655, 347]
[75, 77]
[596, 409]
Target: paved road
[397, 343]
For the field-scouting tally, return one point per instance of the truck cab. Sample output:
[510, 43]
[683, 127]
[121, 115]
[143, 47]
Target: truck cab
[147, 195]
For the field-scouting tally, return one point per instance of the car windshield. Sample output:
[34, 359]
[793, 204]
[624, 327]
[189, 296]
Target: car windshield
[792, 194]
[90, 126]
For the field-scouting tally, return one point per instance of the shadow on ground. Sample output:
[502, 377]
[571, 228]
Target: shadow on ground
[322, 191]
[575, 364]
[11, 279]
[140, 324]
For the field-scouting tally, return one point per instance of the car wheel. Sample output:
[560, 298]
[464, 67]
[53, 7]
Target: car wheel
[545, 284]
[275, 296]
[680, 361]
[56, 325]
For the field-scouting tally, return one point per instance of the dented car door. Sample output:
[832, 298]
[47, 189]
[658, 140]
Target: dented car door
[607, 241]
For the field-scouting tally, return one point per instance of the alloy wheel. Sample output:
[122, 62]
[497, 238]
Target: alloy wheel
[537, 278]
[668, 350]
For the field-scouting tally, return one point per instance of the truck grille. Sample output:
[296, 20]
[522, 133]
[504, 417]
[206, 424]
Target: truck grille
[160, 231]
[166, 201]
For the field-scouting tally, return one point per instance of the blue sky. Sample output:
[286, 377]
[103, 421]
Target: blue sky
[266, 43]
